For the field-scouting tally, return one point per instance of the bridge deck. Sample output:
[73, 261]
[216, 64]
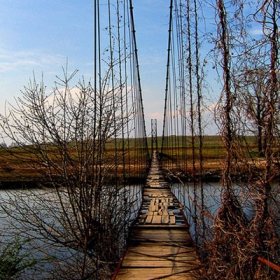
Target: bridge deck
[160, 245]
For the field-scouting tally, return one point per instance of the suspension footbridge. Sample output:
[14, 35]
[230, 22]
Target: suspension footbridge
[160, 245]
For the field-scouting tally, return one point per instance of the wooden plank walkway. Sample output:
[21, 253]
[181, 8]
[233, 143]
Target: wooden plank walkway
[160, 245]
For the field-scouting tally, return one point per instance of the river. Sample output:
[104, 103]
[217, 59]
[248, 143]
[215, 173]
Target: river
[29, 213]
[44, 210]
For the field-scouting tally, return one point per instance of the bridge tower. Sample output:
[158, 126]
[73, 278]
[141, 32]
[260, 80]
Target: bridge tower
[154, 135]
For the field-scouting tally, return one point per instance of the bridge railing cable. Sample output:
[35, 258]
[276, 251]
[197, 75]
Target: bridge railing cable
[119, 165]
[173, 146]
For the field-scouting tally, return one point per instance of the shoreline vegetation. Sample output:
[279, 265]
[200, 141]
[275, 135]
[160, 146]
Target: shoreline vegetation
[16, 170]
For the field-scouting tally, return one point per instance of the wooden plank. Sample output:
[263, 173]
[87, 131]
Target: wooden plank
[141, 274]
[159, 251]
[152, 208]
[162, 248]
[154, 255]
[162, 235]
[172, 220]
[149, 219]
[156, 219]
[161, 226]
[165, 219]
[158, 263]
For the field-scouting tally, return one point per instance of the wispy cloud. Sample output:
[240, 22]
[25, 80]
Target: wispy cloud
[257, 31]
[19, 60]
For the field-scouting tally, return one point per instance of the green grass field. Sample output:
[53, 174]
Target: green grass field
[16, 163]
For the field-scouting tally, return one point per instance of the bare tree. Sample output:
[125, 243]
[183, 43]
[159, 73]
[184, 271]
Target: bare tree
[67, 135]
[252, 239]
[251, 91]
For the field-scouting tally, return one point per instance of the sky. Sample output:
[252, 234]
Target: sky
[38, 37]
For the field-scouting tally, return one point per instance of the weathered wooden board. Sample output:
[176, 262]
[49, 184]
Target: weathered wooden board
[164, 249]
[158, 263]
[132, 259]
[153, 253]
[162, 235]
[150, 273]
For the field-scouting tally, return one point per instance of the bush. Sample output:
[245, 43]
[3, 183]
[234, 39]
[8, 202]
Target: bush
[13, 261]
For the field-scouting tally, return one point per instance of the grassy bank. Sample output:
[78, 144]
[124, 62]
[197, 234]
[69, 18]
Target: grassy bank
[17, 165]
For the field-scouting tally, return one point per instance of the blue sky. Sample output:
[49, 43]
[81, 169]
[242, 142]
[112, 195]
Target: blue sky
[38, 36]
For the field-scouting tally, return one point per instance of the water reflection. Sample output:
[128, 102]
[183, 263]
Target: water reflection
[30, 213]
[212, 193]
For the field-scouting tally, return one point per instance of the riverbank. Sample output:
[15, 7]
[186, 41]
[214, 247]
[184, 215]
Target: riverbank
[17, 169]
[20, 176]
